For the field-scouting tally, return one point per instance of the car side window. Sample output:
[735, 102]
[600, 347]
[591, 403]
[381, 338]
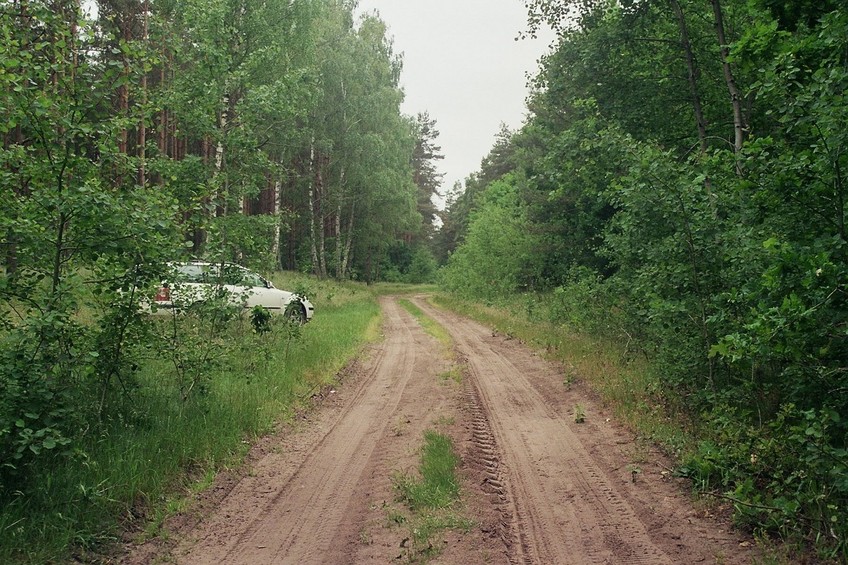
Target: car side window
[252, 279]
[233, 275]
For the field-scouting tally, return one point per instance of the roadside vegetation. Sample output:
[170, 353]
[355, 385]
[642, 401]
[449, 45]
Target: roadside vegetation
[187, 413]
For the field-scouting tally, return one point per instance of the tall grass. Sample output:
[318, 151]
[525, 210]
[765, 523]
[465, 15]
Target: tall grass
[158, 447]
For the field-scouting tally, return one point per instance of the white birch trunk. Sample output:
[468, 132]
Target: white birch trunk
[346, 259]
[313, 233]
[339, 239]
[278, 205]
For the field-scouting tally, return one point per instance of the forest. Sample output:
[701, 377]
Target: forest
[678, 187]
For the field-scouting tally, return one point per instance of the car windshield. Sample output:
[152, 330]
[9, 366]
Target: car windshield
[237, 275]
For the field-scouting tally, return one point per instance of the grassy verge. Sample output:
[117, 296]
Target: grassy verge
[383, 289]
[429, 498]
[138, 464]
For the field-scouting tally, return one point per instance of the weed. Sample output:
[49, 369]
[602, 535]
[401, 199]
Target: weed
[569, 378]
[453, 374]
[400, 427]
[430, 325]
[579, 414]
[260, 318]
[444, 421]
[396, 517]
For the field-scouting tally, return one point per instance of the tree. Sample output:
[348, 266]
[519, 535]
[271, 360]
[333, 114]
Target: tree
[497, 257]
[362, 191]
[425, 174]
[74, 232]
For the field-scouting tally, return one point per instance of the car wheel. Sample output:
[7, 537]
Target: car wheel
[295, 313]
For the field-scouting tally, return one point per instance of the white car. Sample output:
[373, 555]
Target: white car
[192, 283]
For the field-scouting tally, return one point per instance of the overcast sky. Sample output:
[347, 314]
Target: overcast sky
[463, 65]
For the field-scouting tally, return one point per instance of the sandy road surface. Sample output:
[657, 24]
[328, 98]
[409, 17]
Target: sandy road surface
[540, 488]
[568, 487]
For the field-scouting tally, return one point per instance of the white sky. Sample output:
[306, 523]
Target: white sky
[462, 64]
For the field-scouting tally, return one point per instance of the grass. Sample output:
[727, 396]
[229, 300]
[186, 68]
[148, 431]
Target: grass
[433, 328]
[438, 486]
[453, 374]
[384, 289]
[143, 461]
[430, 498]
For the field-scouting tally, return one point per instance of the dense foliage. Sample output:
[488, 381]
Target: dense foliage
[681, 185]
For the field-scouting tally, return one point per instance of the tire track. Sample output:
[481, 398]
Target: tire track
[543, 490]
[562, 507]
[296, 522]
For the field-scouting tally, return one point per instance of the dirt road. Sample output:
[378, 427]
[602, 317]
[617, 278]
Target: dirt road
[539, 487]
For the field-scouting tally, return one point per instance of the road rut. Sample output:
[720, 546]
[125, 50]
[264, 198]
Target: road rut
[540, 487]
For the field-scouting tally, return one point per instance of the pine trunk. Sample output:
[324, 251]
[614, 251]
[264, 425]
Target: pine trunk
[142, 126]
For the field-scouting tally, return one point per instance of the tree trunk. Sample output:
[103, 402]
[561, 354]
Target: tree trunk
[222, 125]
[142, 126]
[162, 141]
[346, 259]
[692, 73]
[221, 194]
[316, 237]
[322, 248]
[278, 205]
[339, 239]
[739, 126]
